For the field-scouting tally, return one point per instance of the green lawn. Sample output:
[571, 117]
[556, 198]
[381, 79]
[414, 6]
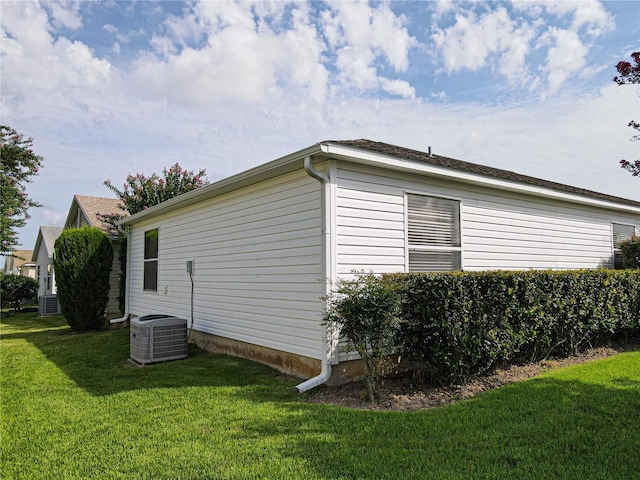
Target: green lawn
[74, 407]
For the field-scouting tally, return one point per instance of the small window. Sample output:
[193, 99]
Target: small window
[620, 233]
[433, 235]
[150, 280]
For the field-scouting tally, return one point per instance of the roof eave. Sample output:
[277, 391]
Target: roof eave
[371, 158]
[260, 173]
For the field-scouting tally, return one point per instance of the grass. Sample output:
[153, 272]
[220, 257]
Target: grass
[74, 407]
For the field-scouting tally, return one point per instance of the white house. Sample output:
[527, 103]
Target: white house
[266, 244]
[43, 259]
[19, 262]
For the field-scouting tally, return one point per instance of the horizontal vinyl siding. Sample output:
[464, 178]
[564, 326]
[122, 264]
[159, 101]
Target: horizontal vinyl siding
[257, 272]
[42, 260]
[500, 230]
[515, 232]
[369, 228]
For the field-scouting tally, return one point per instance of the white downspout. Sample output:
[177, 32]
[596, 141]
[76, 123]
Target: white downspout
[327, 268]
[125, 317]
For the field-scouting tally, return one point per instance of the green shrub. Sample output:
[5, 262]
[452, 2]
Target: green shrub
[630, 251]
[457, 325]
[365, 312]
[16, 290]
[82, 263]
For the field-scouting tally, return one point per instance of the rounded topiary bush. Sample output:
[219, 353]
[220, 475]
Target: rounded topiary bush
[82, 264]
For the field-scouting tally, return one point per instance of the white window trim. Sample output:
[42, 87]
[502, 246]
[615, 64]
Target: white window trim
[407, 248]
[633, 227]
[145, 260]
[615, 250]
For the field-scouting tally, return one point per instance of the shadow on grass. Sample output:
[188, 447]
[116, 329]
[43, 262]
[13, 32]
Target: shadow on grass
[542, 428]
[580, 424]
[98, 362]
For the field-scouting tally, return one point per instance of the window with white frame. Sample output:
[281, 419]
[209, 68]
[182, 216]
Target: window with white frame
[150, 280]
[619, 233]
[433, 234]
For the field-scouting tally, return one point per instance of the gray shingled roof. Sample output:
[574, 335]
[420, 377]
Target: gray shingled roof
[454, 164]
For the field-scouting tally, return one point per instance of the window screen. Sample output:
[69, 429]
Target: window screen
[150, 280]
[620, 233]
[433, 234]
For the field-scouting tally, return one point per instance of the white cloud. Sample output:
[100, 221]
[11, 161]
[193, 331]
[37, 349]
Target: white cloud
[36, 68]
[398, 87]
[359, 34]
[505, 41]
[110, 28]
[53, 217]
[473, 43]
[241, 59]
[65, 14]
[565, 57]
[586, 13]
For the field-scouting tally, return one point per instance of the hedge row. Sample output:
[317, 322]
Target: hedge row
[463, 324]
[454, 326]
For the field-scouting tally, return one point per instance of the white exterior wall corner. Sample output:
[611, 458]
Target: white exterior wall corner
[257, 265]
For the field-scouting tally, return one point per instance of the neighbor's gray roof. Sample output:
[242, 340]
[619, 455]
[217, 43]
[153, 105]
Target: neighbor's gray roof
[48, 235]
[454, 164]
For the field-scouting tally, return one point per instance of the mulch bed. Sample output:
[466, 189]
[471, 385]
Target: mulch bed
[401, 393]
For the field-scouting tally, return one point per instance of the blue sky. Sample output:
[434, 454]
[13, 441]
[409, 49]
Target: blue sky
[116, 87]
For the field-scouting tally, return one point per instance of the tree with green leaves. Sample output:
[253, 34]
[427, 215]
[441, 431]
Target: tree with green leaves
[16, 289]
[82, 261]
[629, 74]
[18, 164]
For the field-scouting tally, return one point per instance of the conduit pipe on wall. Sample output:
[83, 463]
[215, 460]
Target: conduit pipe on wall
[325, 372]
[125, 316]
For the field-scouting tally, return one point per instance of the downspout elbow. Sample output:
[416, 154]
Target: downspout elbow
[313, 173]
[313, 382]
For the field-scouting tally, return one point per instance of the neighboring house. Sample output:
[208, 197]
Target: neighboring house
[19, 263]
[43, 259]
[268, 243]
[84, 211]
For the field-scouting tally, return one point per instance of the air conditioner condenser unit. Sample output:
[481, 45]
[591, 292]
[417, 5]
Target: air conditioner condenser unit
[158, 338]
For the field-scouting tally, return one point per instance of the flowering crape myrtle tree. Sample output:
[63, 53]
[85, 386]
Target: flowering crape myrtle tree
[18, 165]
[630, 74]
[141, 192]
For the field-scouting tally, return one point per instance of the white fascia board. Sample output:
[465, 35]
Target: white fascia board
[257, 174]
[356, 155]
